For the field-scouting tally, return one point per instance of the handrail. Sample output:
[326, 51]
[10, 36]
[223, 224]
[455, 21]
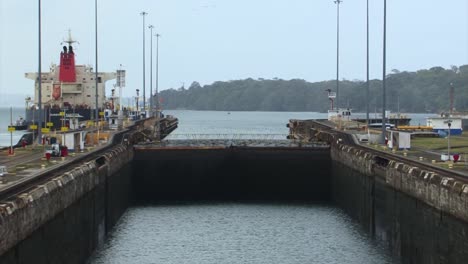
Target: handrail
[199, 136]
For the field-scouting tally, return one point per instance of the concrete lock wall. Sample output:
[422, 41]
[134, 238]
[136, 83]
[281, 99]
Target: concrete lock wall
[232, 174]
[63, 220]
[420, 216]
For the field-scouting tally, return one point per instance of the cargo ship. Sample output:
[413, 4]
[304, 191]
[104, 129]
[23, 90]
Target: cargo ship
[68, 92]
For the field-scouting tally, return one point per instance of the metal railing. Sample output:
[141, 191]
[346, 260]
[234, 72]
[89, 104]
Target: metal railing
[176, 136]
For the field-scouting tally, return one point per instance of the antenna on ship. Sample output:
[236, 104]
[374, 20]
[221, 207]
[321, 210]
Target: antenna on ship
[70, 40]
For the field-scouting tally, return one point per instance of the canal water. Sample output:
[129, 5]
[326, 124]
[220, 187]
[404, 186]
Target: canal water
[239, 233]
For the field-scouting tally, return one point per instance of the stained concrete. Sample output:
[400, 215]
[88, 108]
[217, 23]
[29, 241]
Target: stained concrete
[63, 220]
[408, 227]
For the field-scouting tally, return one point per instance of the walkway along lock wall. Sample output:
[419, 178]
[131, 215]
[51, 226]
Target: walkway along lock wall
[63, 220]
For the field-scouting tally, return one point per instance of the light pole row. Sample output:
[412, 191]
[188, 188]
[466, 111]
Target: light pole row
[338, 2]
[39, 70]
[152, 106]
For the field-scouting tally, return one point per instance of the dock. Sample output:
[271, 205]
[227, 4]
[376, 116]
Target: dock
[28, 166]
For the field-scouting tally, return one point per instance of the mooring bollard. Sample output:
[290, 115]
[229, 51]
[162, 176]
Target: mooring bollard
[421, 158]
[433, 161]
[405, 154]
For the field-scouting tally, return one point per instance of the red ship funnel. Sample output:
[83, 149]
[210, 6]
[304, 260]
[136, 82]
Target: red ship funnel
[67, 65]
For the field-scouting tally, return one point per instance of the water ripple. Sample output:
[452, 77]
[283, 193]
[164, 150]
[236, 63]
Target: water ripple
[239, 233]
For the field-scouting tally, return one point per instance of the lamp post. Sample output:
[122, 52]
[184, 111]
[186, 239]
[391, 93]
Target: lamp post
[120, 84]
[96, 77]
[449, 123]
[448, 140]
[39, 78]
[137, 109]
[367, 62]
[158, 134]
[157, 74]
[112, 100]
[143, 14]
[11, 150]
[384, 71]
[337, 2]
[451, 94]
[151, 70]
[30, 104]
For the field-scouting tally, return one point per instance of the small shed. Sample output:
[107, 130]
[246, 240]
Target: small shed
[74, 140]
[398, 139]
[115, 122]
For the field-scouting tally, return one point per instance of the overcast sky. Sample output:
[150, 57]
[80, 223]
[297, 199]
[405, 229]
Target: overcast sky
[213, 40]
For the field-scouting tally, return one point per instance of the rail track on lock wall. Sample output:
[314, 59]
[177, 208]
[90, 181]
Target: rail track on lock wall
[227, 136]
[458, 175]
[42, 176]
[349, 139]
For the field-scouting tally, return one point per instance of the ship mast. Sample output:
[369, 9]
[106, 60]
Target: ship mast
[70, 40]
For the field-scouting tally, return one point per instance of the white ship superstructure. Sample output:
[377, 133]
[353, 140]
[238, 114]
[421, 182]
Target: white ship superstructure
[79, 94]
[69, 87]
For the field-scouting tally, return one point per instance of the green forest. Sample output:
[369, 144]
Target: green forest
[411, 92]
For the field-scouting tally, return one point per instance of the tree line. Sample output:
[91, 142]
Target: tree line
[412, 92]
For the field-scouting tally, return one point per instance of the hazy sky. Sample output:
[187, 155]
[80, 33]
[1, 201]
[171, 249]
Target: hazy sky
[213, 40]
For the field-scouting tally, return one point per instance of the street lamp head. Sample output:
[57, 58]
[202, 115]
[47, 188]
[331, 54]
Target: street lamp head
[338, 1]
[150, 26]
[143, 13]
